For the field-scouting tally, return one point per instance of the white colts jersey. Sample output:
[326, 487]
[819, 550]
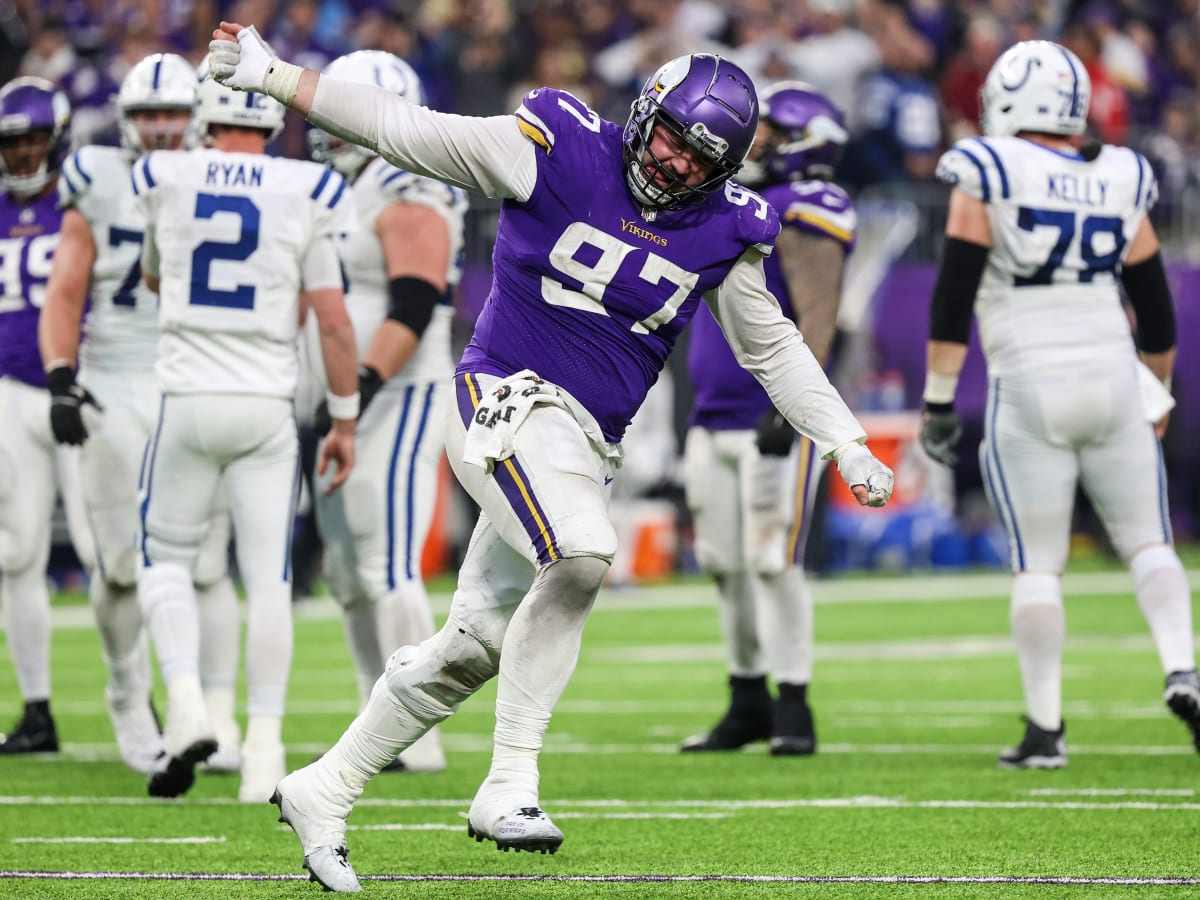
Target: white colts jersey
[377, 187]
[1061, 228]
[121, 326]
[232, 231]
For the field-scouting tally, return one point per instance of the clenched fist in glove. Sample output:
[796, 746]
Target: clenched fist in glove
[241, 59]
[860, 469]
[67, 398]
[940, 431]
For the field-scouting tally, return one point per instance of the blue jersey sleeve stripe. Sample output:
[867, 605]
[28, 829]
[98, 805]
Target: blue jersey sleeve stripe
[337, 195]
[983, 179]
[71, 186]
[87, 179]
[991, 151]
[325, 176]
[1141, 164]
[133, 181]
[145, 167]
[393, 177]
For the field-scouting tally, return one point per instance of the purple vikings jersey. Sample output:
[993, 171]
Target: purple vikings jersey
[28, 235]
[588, 293]
[727, 396]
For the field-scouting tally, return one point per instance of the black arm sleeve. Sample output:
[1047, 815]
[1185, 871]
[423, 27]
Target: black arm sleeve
[1150, 297]
[411, 302]
[958, 279]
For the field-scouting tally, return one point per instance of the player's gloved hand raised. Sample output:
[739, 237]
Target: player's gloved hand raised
[67, 398]
[860, 469]
[940, 431]
[369, 383]
[774, 434]
[240, 57]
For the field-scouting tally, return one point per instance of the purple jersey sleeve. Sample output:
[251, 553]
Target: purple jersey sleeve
[587, 290]
[29, 234]
[727, 397]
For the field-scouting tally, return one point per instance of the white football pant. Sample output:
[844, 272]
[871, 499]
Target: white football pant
[751, 515]
[248, 444]
[374, 528]
[34, 470]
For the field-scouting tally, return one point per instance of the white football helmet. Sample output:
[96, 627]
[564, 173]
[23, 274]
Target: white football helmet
[1036, 86]
[217, 104]
[160, 81]
[363, 67]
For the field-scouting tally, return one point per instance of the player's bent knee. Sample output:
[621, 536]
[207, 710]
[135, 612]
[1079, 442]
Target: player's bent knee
[433, 678]
[574, 579]
[717, 560]
[168, 543]
[1032, 588]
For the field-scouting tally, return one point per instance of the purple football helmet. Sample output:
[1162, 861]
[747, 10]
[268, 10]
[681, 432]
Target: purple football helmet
[28, 105]
[709, 104]
[808, 135]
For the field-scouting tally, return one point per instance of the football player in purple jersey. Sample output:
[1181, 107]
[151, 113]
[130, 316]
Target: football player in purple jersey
[609, 238]
[35, 120]
[750, 484]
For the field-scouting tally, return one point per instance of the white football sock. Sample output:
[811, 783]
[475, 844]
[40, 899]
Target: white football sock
[26, 603]
[362, 637]
[220, 637]
[1039, 631]
[739, 624]
[785, 625]
[1166, 601]
[541, 647]
[268, 647]
[119, 622]
[168, 603]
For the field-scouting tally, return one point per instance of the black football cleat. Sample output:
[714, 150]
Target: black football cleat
[1182, 696]
[34, 733]
[750, 718]
[1039, 749]
[793, 734]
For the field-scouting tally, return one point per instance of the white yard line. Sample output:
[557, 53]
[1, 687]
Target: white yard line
[117, 840]
[902, 588]
[665, 808]
[613, 879]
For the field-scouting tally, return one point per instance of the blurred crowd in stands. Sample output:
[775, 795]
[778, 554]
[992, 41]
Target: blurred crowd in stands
[906, 73]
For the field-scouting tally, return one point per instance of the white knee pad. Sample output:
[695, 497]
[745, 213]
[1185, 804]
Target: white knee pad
[212, 560]
[1034, 588]
[432, 679]
[1147, 561]
[172, 544]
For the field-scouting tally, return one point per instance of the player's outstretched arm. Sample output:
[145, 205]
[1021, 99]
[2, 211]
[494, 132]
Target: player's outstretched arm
[769, 346]
[489, 155]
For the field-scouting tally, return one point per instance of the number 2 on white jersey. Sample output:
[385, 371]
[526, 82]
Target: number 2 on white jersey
[242, 296]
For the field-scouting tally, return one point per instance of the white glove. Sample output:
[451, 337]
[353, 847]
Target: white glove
[858, 465]
[242, 64]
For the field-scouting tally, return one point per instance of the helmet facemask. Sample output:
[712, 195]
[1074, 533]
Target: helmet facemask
[642, 163]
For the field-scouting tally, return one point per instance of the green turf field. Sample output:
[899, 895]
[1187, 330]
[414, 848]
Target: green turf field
[916, 690]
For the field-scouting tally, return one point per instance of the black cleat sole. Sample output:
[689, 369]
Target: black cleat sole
[532, 846]
[793, 746]
[180, 773]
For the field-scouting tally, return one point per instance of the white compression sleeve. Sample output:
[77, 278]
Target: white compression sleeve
[768, 346]
[489, 155]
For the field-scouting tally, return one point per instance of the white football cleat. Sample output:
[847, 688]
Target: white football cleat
[425, 754]
[263, 767]
[136, 729]
[228, 758]
[524, 828]
[317, 813]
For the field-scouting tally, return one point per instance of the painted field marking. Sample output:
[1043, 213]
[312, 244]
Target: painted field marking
[1112, 792]
[83, 839]
[657, 807]
[613, 879]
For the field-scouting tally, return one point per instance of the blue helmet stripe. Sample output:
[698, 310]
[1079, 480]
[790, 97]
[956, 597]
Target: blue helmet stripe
[157, 71]
[1074, 83]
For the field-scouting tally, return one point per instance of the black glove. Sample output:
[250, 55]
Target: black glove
[369, 383]
[66, 405]
[940, 431]
[774, 434]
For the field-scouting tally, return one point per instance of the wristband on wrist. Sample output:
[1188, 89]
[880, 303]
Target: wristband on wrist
[282, 81]
[342, 407]
[939, 388]
[1167, 383]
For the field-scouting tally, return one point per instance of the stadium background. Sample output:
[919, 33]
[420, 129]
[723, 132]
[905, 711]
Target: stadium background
[907, 75]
